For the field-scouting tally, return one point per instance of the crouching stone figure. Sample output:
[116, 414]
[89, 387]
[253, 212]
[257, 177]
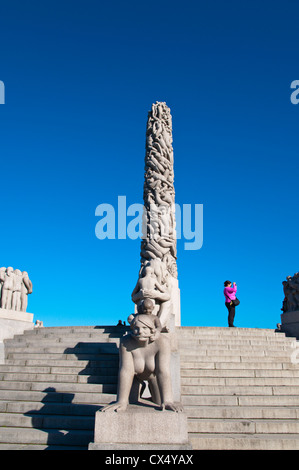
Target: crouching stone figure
[147, 357]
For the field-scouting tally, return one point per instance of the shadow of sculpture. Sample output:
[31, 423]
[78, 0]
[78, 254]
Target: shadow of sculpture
[70, 424]
[101, 362]
[67, 425]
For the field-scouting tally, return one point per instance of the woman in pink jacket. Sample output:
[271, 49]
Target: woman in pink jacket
[230, 295]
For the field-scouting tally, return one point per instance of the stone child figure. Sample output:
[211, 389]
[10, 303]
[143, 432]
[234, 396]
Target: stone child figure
[145, 358]
[147, 308]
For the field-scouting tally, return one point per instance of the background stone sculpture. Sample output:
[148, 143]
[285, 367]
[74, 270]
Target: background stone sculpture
[26, 288]
[14, 289]
[2, 279]
[291, 293]
[158, 247]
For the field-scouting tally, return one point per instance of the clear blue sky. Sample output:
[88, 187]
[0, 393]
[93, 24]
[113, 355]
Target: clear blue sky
[80, 78]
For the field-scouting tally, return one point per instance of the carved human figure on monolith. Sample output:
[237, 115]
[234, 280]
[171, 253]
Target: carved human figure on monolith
[148, 287]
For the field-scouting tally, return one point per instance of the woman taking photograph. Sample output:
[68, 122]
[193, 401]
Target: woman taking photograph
[230, 301]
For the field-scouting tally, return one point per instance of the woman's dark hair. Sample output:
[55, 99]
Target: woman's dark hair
[227, 283]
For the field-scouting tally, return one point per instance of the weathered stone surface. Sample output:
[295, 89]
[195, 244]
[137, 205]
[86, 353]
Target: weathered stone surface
[158, 272]
[290, 323]
[14, 323]
[141, 425]
[42, 386]
[148, 355]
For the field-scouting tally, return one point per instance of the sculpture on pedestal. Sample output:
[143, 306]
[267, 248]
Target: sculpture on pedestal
[146, 356]
[291, 293]
[14, 289]
[290, 307]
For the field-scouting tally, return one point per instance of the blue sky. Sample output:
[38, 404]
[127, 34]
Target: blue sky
[79, 79]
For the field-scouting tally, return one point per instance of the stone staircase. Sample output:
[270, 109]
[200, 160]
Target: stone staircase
[239, 387]
[52, 383]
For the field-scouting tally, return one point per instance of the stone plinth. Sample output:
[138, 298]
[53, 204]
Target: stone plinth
[141, 427]
[290, 323]
[13, 323]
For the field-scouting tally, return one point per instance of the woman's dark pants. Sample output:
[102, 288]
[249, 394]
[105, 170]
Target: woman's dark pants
[231, 313]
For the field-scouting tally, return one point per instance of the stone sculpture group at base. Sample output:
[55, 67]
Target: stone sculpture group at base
[14, 288]
[290, 307]
[291, 293]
